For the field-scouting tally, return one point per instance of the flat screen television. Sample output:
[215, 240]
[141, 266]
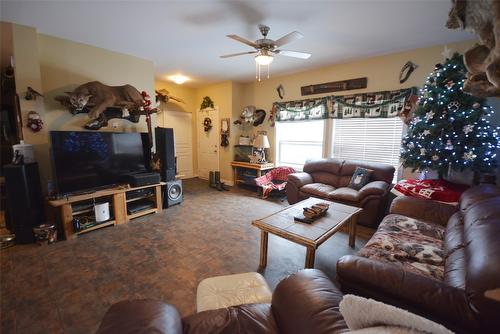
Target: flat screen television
[84, 160]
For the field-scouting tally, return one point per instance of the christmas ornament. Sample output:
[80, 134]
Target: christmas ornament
[429, 115]
[453, 106]
[411, 146]
[35, 122]
[450, 84]
[449, 145]
[426, 132]
[435, 157]
[468, 156]
[468, 128]
[423, 151]
[476, 105]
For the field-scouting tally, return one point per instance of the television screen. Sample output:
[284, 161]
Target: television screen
[85, 160]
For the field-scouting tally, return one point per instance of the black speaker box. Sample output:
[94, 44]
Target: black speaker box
[24, 200]
[165, 149]
[173, 193]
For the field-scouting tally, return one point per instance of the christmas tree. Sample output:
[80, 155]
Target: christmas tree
[450, 127]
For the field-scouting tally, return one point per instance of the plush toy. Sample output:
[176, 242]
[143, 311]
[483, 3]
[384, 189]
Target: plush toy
[482, 60]
[35, 122]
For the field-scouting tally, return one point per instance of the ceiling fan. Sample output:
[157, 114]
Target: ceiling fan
[266, 49]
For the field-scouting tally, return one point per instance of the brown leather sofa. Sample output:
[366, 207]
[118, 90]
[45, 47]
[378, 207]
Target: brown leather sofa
[305, 302]
[436, 260]
[329, 178]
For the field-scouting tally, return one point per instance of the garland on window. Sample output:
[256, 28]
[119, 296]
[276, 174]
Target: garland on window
[383, 104]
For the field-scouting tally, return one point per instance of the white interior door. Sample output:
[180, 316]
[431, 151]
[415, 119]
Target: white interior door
[181, 122]
[208, 143]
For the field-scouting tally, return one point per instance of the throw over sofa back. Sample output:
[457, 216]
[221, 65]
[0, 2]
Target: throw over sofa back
[338, 172]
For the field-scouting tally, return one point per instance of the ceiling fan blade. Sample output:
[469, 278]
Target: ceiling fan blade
[293, 36]
[295, 54]
[243, 40]
[238, 54]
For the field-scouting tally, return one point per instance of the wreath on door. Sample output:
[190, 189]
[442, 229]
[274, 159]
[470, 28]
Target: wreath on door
[207, 124]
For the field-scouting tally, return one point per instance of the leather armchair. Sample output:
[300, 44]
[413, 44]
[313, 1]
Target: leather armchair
[329, 179]
[305, 302]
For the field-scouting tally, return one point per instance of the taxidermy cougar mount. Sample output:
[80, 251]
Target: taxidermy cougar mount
[94, 97]
[103, 102]
[482, 60]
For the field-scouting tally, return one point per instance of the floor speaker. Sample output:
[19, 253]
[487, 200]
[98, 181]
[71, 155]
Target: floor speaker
[173, 193]
[165, 149]
[24, 200]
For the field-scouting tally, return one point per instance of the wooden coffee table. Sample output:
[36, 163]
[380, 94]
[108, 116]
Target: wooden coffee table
[312, 235]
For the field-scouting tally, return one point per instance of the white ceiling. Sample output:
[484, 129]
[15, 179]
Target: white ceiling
[188, 36]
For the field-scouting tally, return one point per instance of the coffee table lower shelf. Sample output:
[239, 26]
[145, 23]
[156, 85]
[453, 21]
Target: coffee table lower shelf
[311, 235]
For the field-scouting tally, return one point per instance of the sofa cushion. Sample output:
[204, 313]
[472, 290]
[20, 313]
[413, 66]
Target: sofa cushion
[454, 268]
[415, 245]
[344, 194]
[317, 189]
[477, 194]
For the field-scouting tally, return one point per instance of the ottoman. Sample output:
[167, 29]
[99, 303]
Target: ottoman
[230, 290]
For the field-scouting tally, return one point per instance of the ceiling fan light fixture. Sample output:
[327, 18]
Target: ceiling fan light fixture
[178, 78]
[264, 59]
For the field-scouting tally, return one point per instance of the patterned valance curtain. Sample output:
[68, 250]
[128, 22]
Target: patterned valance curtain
[301, 110]
[384, 104]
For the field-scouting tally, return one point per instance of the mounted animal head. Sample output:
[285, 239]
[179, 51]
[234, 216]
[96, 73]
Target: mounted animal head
[78, 100]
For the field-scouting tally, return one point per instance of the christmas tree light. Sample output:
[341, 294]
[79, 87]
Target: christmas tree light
[450, 127]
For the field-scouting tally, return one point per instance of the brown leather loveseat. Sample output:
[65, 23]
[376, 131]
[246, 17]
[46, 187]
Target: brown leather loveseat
[305, 302]
[329, 179]
[437, 260]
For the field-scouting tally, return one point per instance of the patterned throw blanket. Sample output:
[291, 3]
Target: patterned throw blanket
[414, 245]
[274, 179]
[437, 190]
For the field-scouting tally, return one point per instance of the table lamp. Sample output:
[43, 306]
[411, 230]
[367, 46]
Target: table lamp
[261, 143]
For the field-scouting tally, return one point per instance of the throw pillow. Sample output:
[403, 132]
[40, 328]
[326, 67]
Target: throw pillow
[360, 177]
[362, 313]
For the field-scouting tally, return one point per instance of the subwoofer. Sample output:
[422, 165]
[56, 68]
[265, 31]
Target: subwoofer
[24, 200]
[165, 149]
[173, 193]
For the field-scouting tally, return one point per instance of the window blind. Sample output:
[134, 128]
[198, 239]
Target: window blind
[368, 139]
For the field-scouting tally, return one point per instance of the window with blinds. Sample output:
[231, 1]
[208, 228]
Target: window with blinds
[368, 139]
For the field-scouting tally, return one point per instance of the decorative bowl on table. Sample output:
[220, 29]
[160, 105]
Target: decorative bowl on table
[312, 213]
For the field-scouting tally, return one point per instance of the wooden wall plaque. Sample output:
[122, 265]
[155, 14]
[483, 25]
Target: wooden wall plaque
[334, 86]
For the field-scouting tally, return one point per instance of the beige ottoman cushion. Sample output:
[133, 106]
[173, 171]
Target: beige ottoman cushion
[230, 290]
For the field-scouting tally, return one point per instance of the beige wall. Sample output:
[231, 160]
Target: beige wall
[52, 66]
[382, 73]
[187, 94]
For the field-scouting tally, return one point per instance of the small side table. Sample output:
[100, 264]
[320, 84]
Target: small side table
[259, 168]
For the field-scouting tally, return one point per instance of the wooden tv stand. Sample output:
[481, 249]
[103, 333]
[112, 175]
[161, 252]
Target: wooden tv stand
[117, 198]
